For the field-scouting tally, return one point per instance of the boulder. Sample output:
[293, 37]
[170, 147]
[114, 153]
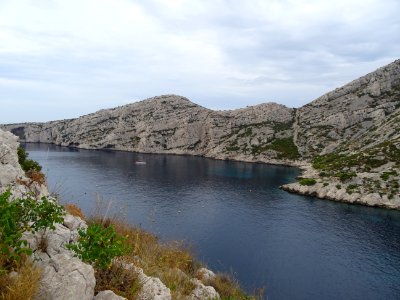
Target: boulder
[65, 278]
[202, 291]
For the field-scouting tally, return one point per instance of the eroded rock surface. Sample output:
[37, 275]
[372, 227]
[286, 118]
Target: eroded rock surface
[173, 124]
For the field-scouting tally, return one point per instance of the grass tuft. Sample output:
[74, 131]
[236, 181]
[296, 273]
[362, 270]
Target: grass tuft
[74, 210]
[121, 281]
[23, 285]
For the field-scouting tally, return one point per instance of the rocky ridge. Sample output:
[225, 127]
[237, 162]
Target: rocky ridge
[63, 275]
[173, 124]
[358, 119]
[351, 136]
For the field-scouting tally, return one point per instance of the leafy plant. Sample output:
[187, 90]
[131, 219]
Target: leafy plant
[21, 215]
[99, 245]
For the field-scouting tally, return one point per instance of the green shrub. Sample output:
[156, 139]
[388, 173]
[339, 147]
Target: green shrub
[99, 245]
[27, 164]
[385, 175]
[307, 181]
[351, 188]
[344, 176]
[338, 186]
[285, 148]
[19, 216]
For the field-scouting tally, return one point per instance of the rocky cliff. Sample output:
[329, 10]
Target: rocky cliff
[352, 137]
[173, 124]
[359, 119]
[349, 114]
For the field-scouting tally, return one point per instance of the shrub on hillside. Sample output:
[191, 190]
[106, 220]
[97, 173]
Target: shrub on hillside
[19, 216]
[99, 245]
[27, 164]
[307, 181]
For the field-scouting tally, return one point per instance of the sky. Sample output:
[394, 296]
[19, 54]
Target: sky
[65, 58]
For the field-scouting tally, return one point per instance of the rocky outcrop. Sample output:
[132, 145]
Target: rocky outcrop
[364, 188]
[347, 113]
[11, 174]
[65, 277]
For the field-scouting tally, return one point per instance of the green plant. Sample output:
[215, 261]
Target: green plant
[24, 215]
[27, 164]
[351, 188]
[344, 176]
[307, 181]
[99, 245]
[385, 175]
[338, 186]
[284, 147]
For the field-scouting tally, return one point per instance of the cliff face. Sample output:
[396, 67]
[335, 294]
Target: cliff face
[349, 113]
[172, 124]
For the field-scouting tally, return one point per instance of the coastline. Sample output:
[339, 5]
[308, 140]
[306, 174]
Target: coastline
[319, 190]
[330, 191]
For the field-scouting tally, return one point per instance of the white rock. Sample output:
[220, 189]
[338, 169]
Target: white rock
[205, 274]
[152, 288]
[66, 278]
[203, 292]
[74, 223]
[108, 295]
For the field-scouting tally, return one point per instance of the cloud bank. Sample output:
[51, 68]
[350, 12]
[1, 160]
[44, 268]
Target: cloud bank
[61, 59]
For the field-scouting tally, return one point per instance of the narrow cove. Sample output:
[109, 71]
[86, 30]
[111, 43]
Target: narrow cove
[236, 219]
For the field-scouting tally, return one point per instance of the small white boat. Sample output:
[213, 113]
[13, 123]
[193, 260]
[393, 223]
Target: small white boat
[138, 162]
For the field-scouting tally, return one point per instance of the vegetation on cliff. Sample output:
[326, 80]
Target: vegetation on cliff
[172, 262]
[18, 217]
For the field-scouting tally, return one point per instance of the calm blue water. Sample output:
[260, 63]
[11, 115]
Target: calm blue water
[236, 219]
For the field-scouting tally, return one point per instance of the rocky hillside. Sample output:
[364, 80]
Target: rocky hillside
[173, 124]
[350, 113]
[352, 137]
[360, 119]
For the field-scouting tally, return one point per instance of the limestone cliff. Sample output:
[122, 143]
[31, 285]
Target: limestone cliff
[173, 124]
[349, 113]
[352, 136]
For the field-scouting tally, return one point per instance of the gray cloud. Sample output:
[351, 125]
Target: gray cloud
[61, 59]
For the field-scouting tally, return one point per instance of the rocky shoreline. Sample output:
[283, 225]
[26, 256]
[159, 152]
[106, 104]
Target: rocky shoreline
[335, 190]
[63, 275]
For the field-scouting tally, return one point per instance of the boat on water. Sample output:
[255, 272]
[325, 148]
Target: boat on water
[139, 162]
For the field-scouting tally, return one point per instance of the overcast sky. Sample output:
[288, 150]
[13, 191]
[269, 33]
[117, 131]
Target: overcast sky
[65, 58]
